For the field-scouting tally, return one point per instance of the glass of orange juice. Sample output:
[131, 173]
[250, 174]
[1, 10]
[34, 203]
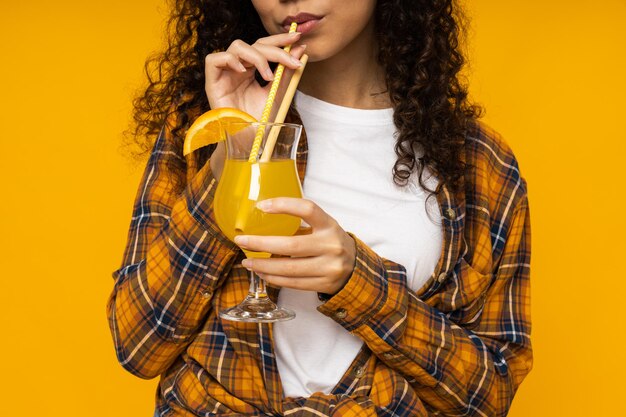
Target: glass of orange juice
[242, 184]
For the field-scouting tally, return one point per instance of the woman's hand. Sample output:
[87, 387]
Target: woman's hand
[321, 261]
[230, 82]
[230, 78]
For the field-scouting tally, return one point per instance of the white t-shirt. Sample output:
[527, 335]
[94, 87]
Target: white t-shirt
[349, 175]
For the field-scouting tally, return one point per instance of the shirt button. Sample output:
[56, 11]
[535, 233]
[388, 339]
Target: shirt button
[207, 294]
[442, 277]
[358, 372]
[341, 313]
[450, 213]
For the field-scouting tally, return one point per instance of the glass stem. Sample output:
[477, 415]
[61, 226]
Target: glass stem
[257, 287]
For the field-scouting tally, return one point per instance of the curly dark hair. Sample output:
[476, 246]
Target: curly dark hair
[419, 48]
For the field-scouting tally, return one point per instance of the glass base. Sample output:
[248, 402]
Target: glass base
[257, 310]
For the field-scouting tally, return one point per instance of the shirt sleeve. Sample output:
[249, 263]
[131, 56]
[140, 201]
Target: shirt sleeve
[175, 258]
[456, 369]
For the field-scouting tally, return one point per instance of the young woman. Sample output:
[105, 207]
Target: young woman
[406, 305]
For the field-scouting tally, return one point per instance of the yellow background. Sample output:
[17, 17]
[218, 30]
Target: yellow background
[550, 73]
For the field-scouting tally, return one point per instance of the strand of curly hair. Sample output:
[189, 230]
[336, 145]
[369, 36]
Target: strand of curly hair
[419, 48]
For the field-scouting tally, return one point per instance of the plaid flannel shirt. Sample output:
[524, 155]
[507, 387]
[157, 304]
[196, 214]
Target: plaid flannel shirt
[458, 346]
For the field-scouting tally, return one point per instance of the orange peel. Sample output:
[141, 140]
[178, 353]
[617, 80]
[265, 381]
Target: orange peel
[207, 128]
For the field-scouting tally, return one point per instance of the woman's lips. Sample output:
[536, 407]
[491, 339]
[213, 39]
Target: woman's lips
[307, 26]
[306, 22]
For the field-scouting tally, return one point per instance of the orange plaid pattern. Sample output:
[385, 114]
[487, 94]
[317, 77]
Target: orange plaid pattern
[459, 346]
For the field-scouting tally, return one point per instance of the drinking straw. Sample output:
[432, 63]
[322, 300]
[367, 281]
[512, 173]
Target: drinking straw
[241, 221]
[282, 110]
[269, 103]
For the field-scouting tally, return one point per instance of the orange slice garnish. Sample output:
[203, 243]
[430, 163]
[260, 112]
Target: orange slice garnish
[207, 128]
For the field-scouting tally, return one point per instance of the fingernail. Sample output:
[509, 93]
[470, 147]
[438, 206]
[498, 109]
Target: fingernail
[294, 34]
[241, 240]
[246, 263]
[303, 47]
[264, 205]
[269, 74]
[295, 61]
[242, 68]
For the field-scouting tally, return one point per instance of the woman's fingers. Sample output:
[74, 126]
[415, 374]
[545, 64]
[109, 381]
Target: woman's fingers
[299, 245]
[251, 57]
[302, 245]
[306, 209]
[294, 57]
[241, 56]
[229, 80]
[260, 55]
[280, 40]
[289, 267]
[215, 65]
[279, 55]
[225, 60]
[320, 284]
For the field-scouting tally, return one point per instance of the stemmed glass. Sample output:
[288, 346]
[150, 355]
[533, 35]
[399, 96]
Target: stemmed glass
[242, 184]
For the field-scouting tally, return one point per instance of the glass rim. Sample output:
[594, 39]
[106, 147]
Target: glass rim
[292, 125]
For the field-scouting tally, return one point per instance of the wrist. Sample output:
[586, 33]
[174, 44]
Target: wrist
[350, 262]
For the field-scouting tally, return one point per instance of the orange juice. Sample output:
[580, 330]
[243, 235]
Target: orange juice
[241, 185]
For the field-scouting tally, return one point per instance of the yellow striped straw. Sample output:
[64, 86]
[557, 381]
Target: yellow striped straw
[269, 103]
